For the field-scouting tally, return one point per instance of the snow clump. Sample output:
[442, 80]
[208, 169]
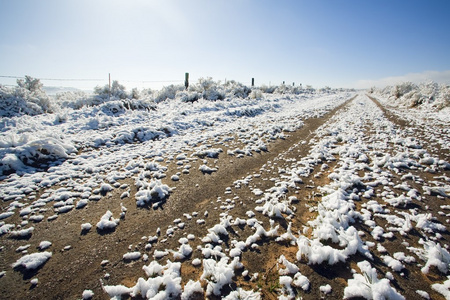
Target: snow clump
[32, 261]
[218, 274]
[164, 282]
[368, 285]
[107, 222]
[154, 191]
[436, 256]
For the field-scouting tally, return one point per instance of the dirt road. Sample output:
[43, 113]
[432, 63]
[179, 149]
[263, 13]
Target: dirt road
[388, 175]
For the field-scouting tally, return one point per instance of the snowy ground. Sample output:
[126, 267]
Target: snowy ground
[268, 198]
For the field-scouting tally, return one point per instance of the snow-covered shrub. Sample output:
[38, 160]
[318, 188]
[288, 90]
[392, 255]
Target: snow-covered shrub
[31, 84]
[135, 94]
[117, 91]
[267, 89]
[288, 89]
[77, 99]
[168, 92]
[27, 98]
[442, 100]
[112, 107]
[208, 89]
[410, 95]
[403, 89]
[236, 89]
[186, 96]
[139, 104]
[256, 94]
[114, 100]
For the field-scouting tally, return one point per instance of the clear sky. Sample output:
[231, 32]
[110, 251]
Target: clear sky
[337, 43]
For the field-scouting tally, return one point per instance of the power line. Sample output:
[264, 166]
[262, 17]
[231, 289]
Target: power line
[55, 79]
[92, 79]
[15, 77]
[152, 81]
[72, 79]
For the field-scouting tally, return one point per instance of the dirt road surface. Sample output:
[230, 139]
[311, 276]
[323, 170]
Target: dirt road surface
[392, 183]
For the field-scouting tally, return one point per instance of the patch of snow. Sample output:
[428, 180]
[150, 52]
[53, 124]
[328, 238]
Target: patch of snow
[107, 222]
[32, 261]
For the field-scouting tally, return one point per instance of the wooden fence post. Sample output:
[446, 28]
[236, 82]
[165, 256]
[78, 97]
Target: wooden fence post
[186, 80]
[109, 85]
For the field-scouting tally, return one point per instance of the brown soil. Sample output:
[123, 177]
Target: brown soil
[69, 272]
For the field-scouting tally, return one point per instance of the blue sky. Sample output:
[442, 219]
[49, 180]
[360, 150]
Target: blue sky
[337, 43]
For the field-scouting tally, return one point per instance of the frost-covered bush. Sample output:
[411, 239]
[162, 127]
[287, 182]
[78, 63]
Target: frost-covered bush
[78, 99]
[268, 89]
[287, 89]
[236, 89]
[186, 96]
[112, 107]
[27, 98]
[139, 104]
[117, 91]
[209, 89]
[168, 92]
[256, 94]
[408, 94]
[114, 100]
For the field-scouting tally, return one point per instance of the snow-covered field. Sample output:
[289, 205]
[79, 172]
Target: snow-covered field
[266, 195]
